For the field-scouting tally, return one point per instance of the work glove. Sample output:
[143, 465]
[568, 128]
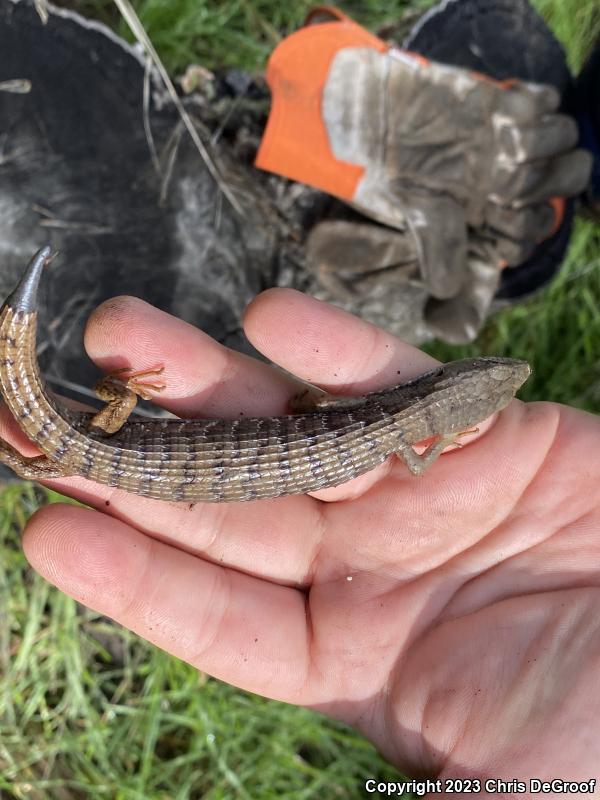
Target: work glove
[431, 150]
[444, 149]
[467, 173]
[373, 271]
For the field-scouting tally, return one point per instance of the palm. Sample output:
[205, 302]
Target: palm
[460, 626]
[451, 617]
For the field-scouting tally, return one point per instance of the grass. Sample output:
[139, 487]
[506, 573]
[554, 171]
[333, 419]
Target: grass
[239, 33]
[87, 710]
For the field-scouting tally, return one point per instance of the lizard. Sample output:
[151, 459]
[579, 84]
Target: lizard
[220, 460]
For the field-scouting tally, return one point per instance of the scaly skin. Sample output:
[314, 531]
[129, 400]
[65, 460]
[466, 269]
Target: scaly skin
[242, 459]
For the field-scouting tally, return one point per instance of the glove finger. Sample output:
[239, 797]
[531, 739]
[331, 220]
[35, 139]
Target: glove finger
[566, 176]
[527, 101]
[346, 258]
[440, 233]
[563, 176]
[552, 134]
[459, 320]
[348, 247]
[512, 253]
[534, 223]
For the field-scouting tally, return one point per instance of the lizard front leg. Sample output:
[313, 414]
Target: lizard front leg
[418, 463]
[30, 468]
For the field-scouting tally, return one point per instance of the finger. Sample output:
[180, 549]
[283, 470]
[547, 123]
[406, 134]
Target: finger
[240, 629]
[549, 136]
[439, 228]
[327, 346]
[276, 539]
[511, 253]
[121, 318]
[190, 355]
[563, 176]
[201, 375]
[339, 352]
[352, 250]
[568, 176]
[534, 223]
[524, 100]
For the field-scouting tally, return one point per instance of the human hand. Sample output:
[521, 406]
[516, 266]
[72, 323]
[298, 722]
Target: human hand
[451, 618]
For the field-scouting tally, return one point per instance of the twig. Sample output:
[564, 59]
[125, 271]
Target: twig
[132, 19]
[16, 86]
[147, 126]
[41, 6]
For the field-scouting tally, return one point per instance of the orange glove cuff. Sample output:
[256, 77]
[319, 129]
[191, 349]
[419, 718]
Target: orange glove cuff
[295, 142]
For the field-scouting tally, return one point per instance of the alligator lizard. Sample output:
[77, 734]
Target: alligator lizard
[218, 460]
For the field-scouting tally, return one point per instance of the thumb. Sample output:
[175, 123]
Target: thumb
[439, 229]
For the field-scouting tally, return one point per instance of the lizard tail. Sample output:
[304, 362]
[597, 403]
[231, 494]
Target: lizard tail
[24, 297]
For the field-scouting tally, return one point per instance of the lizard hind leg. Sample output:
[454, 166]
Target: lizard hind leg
[30, 468]
[121, 394]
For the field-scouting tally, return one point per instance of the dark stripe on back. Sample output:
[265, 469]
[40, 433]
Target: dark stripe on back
[63, 446]
[115, 473]
[87, 459]
[26, 411]
[45, 429]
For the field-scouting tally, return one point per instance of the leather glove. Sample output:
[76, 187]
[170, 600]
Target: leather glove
[373, 271]
[426, 148]
[443, 149]
[464, 168]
